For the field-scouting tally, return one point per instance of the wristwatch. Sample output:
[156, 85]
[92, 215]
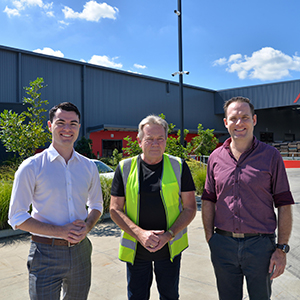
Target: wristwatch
[172, 234]
[284, 247]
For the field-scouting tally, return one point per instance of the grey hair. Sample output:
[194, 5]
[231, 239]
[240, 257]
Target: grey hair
[152, 119]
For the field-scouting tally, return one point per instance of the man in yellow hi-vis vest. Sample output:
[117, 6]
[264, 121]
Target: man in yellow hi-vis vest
[153, 201]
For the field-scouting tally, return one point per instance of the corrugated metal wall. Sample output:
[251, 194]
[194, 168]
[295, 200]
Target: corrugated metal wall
[104, 96]
[263, 96]
[8, 76]
[63, 79]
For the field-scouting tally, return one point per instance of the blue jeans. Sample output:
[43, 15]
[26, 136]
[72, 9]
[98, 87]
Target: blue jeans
[53, 267]
[140, 276]
[236, 258]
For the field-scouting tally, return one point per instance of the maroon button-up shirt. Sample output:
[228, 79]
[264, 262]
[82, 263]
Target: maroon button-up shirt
[246, 191]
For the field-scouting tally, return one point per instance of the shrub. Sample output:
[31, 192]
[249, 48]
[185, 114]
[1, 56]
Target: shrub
[84, 147]
[114, 160]
[5, 192]
[7, 172]
[198, 171]
[106, 187]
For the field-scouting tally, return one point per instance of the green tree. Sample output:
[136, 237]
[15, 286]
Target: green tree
[84, 147]
[116, 158]
[205, 142]
[25, 132]
[132, 148]
[173, 145]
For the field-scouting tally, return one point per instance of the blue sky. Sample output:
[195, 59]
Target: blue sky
[226, 44]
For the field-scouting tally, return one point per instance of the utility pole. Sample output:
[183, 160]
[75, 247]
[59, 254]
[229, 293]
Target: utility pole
[178, 12]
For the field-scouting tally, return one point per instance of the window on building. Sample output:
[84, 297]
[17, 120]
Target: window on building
[267, 137]
[289, 137]
[108, 146]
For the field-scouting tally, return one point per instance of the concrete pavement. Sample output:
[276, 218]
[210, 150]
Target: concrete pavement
[197, 280]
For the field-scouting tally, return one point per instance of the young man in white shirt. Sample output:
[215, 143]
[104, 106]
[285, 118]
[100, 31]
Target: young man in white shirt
[59, 183]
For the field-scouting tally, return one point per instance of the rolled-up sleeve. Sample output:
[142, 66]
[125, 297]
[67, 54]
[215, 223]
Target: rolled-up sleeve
[95, 198]
[280, 185]
[21, 195]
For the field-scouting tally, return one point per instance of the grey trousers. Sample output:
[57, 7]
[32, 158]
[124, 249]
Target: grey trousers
[54, 267]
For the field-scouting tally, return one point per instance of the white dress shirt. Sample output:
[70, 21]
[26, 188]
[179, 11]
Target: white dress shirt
[58, 192]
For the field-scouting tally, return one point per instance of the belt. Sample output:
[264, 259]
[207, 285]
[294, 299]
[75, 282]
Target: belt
[241, 235]
[52, 242]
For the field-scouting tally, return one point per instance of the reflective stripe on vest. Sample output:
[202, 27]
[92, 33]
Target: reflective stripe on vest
[170, 186]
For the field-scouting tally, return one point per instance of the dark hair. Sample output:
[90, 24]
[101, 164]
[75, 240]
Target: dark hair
[68, 106]
[238, 99]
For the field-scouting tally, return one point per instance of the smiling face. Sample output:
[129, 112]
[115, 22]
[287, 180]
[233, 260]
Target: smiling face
[65, 129]
[153, 143]
[240, 122]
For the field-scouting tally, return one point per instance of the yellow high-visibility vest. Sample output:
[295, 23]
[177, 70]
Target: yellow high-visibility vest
[170, 191]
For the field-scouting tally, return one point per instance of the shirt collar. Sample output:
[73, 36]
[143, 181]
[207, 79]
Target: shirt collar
[255, 142]
[53, 154]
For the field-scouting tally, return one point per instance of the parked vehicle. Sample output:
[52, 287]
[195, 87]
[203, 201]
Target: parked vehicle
[103, 169]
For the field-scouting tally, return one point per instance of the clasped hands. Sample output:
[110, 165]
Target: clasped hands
[153, 240]
[75, 232]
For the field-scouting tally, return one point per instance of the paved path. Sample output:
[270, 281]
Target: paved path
[197, 279]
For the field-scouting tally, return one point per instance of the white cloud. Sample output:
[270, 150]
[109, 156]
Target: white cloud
[11, 12]
[105, 61]
[50, 13]
[139, 66]
[49, 51]
[264, 64]
[235, 57]
[23, 4]
[134, 72]
[92, 11]
[220, 62]
[63, 24]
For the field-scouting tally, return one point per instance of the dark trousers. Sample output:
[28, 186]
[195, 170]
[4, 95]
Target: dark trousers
[236, 258]
[54, 267]
[140, 275]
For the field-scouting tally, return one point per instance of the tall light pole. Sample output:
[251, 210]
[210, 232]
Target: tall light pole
[178, 12]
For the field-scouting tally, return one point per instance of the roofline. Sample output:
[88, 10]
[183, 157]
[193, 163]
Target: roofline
[258, 85]
[68, 60]
[111, 127]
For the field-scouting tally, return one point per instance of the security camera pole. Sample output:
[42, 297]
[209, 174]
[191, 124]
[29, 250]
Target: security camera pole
[178, 12]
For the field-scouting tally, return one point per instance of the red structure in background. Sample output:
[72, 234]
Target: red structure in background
[99, 137]
[292, 163]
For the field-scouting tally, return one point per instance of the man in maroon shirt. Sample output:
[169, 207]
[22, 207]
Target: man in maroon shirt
[245, 180]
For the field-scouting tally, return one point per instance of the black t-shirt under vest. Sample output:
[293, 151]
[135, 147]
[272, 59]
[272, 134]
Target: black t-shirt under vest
[152, 213]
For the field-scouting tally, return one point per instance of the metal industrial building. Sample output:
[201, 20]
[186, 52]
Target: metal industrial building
[113, 102]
